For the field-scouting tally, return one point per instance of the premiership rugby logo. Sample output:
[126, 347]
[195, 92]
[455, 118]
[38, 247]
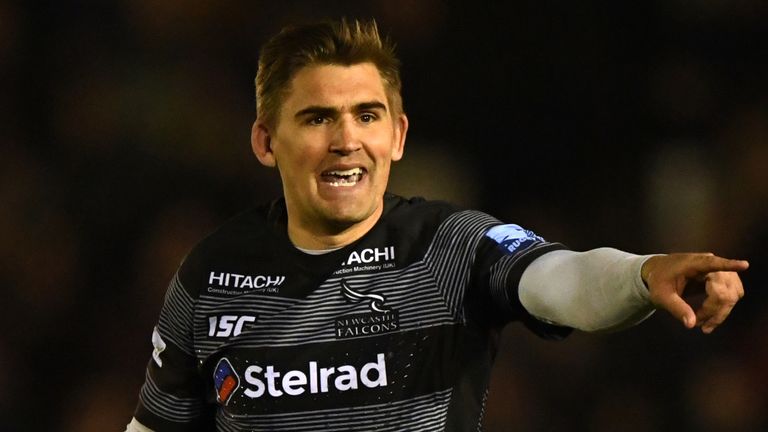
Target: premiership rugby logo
[512, 237]
[381, 319]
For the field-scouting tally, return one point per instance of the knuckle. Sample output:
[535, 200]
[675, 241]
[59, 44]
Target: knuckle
[727, 304]
[718, 276]
[732, 297]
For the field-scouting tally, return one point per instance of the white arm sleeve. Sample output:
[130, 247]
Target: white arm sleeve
[597, 290]
[135, 426]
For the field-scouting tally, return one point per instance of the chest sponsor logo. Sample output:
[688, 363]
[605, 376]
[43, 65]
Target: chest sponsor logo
[368, 259]
[226, 381]
[268, 381]
[381, 318]
[224, 326]
[235, 283]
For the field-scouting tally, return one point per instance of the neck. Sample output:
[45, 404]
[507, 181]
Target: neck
[329, 235]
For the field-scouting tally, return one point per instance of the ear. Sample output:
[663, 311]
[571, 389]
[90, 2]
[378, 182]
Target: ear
[401, 129]
[261, 143]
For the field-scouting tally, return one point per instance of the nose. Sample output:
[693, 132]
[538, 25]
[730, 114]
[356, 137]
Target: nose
[345, 138]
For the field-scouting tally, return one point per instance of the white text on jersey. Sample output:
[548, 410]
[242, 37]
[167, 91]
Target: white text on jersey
[227, 325]
[235, 280]
[370, 255]
[319, 380]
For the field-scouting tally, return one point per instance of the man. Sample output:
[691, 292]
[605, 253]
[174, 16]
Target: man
[341, 307]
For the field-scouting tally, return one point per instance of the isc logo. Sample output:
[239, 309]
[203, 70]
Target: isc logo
[228, 325]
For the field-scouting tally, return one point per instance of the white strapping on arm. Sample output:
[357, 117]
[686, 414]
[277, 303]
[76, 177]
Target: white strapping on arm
[597, 290]
[135, 426]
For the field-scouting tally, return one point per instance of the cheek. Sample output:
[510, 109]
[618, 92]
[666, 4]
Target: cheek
[383, 170]
[291, 156]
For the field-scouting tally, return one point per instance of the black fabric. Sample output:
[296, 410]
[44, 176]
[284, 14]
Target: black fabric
[404, 319]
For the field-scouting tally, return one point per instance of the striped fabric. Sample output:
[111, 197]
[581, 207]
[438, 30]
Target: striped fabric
[426, 301]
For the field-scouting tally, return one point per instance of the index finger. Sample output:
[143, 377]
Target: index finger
[712, 263]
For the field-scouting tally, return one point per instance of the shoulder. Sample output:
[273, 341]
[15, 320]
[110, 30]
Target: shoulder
[418, 210]
[239, 239]
[243, 228]
[436, 219]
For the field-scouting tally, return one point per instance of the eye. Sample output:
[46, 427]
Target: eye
[367, 117]
[317, 121]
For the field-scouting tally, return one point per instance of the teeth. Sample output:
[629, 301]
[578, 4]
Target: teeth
[348, 172]
[342, 184]
[343, 178]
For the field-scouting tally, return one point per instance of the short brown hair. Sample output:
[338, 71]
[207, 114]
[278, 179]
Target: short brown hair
[339, 43]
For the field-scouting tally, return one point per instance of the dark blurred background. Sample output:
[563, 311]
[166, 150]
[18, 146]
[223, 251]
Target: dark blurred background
[640, 125]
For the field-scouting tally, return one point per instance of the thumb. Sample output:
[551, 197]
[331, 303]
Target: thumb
[675, 305]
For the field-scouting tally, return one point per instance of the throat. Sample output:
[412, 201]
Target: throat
[317, 234]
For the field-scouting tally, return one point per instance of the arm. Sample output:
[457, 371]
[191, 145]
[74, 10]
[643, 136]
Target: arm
[597, 290]
[605, 289]
[173, 394]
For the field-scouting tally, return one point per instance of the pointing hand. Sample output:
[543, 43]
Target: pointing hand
[667, 277]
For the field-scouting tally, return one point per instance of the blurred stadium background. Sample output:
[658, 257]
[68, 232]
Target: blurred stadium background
[125, 138]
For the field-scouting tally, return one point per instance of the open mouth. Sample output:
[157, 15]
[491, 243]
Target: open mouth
[343, 178]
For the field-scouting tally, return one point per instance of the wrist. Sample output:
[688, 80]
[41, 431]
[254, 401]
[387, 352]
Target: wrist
[647, 268]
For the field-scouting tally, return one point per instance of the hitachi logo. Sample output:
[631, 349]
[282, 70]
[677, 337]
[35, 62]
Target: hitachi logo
[235, 280]
[371, 255]
[318, 380]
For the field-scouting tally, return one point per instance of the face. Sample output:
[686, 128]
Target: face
[334, 142]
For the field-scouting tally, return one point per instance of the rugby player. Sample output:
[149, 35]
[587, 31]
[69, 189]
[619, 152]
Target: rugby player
[341, 307]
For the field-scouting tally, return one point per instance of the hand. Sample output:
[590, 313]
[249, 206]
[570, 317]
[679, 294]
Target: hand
[668, 275]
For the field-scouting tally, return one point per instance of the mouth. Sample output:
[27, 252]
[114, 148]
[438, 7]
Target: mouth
[343, 178]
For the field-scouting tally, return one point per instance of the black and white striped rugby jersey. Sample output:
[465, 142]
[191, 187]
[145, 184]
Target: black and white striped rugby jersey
[395, 332]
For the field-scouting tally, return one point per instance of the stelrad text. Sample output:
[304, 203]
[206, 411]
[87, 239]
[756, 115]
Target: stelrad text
[268, 381]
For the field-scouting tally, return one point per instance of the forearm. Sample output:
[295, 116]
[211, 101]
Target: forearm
[597, 290]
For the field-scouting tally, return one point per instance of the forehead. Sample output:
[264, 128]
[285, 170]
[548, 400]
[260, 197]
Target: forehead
[335, 86]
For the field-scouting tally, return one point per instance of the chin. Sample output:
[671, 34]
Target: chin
[346, 216]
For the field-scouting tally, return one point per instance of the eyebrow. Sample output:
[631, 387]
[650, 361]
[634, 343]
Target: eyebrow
[330, 111]
[368, 106]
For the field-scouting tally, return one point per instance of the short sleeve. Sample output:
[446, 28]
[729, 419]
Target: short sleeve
[502, 256]
[173, 395]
